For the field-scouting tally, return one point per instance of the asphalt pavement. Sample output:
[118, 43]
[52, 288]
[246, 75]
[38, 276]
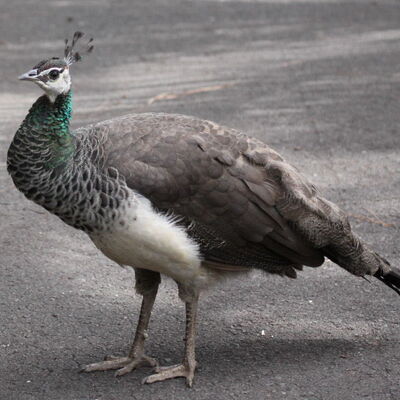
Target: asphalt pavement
[319, 81]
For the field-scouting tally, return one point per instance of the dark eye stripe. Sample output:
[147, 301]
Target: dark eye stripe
[43, 78]
[49, 70]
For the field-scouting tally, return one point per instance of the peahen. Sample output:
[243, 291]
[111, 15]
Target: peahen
[179, 196]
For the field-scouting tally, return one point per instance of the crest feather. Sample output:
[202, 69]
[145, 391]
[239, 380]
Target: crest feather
[70, 55]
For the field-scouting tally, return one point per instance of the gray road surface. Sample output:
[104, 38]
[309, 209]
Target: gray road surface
[317, 80]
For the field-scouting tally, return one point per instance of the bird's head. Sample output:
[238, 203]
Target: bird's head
[53, 74]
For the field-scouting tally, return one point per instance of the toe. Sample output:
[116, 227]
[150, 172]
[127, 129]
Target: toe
[114, 363]
[175, 371]
[189, 379]
[124, 365]
[128, 368]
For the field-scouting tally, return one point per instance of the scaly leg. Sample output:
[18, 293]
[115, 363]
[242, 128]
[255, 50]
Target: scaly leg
[147, 285]
[187, 367]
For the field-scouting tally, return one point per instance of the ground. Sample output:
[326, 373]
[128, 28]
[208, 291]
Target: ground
[317, 80]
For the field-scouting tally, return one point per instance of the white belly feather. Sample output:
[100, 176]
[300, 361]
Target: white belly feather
[149, 240]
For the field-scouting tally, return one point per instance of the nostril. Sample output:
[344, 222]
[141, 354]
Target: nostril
[31, 74]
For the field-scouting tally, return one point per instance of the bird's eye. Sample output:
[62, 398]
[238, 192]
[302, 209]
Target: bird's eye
[54, 74]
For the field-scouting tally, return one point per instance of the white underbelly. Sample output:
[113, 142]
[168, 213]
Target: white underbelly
[149, 240]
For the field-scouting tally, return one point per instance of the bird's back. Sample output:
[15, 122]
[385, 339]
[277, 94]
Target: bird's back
[237, 197]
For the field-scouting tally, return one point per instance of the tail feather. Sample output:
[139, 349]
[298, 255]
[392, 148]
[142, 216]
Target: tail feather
[364, 262]
[391, 278]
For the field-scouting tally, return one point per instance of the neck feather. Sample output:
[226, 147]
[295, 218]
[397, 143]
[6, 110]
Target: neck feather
[44, 136]
[50, 118]
[56, 170]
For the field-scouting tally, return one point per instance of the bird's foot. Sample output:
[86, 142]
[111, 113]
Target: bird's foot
[184, 370]
[123, 365]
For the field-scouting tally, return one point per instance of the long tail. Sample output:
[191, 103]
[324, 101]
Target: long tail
[329, 230]
[360, 260]
[391, 278]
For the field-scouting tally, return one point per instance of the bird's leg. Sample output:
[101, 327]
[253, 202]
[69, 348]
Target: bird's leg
[187, 367]
[147, 285]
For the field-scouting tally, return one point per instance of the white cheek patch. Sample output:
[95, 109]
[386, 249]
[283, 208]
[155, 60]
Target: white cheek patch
[53, 88]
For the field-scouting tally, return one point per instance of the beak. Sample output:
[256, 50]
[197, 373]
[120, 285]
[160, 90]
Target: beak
[29, 76]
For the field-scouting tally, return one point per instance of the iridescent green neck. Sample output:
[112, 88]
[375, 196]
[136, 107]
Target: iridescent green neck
[48, 123]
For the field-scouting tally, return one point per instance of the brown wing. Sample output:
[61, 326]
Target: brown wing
[226, 187]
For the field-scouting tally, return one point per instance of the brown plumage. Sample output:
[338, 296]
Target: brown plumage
[236, 196]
